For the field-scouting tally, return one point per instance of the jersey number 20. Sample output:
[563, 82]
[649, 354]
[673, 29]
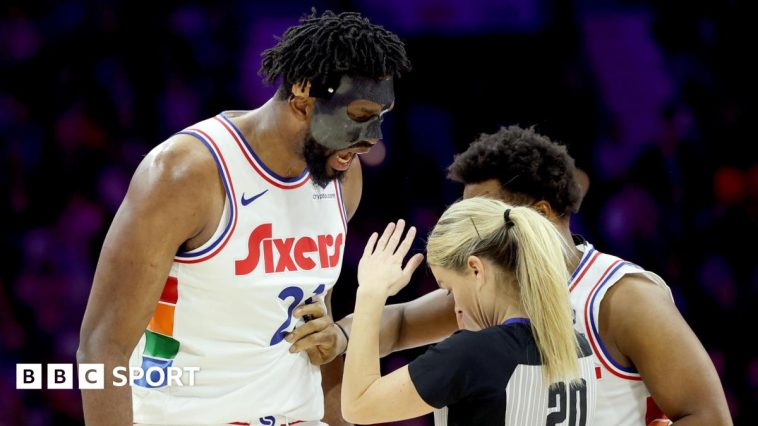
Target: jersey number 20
[571, 400]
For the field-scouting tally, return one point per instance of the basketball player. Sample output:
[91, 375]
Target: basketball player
[517, 360]
[647, 356]
[231, 224]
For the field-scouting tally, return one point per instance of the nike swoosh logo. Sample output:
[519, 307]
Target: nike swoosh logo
[246, 201]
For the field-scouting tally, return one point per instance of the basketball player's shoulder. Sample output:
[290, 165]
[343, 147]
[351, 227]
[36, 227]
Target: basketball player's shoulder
[637, 288]
[636, 300]
[182, 160]
[177, 175]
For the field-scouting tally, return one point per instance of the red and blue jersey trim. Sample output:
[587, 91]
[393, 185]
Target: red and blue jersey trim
[267, 174]
[590, 256]
[215, 247]
[591, 324]
[341, 203]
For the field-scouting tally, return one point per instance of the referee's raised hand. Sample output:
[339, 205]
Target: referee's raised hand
[381, 270]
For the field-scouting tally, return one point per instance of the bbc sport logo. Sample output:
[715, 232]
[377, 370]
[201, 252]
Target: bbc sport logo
[92, 376]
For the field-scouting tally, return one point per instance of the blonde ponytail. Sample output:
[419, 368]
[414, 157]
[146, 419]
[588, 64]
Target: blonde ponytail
[521, 241]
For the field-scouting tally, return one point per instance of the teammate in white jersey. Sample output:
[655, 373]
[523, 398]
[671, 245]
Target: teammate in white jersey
[647, 355]
[649, 362]
[230, 228]
[517, 359]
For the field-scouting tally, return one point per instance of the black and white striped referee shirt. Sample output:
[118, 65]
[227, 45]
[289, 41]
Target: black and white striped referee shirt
[493, 377]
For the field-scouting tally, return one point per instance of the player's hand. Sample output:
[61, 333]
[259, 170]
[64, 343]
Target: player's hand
[380, 270]
[318, 337]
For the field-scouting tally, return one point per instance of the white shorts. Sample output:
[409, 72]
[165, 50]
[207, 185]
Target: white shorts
[283, 420]
[308, 423]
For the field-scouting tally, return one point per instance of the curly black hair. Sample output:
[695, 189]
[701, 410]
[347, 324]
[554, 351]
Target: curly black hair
[326, 47]
[527, 165]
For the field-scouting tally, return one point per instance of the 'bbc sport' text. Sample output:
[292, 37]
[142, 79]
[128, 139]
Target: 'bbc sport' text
[92, 376]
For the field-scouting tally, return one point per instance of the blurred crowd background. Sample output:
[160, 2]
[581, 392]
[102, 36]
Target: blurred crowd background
[654, 99]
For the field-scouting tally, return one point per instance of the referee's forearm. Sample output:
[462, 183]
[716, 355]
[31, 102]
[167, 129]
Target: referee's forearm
[362, 361]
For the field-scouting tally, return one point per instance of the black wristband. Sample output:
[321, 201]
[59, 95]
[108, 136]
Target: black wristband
[347, 338]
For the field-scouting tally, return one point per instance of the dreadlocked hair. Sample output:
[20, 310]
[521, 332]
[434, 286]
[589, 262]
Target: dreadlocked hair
[330, 45]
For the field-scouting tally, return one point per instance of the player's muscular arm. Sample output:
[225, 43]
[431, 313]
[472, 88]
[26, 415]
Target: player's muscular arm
[422, 321]
[639, 319]
[162, 210]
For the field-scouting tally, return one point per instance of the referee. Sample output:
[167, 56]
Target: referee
[516, 359]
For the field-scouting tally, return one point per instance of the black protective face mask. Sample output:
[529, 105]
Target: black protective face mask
[332, 125]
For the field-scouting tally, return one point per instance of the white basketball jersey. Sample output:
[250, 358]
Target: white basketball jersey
[227, 304]
[623, 399]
